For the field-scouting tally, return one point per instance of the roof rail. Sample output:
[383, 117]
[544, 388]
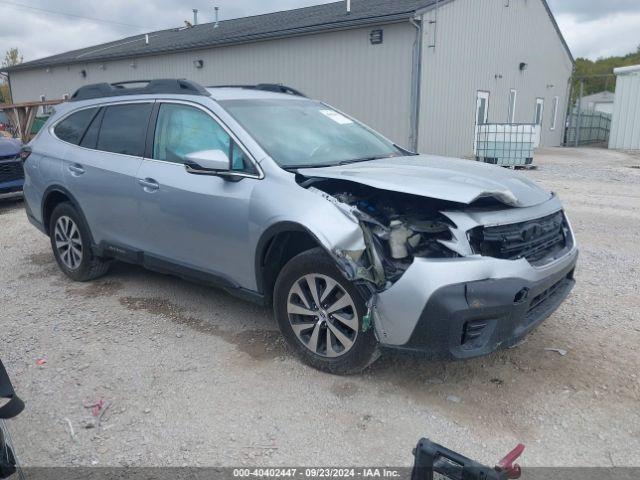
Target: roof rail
[267, 87]
[167, 86]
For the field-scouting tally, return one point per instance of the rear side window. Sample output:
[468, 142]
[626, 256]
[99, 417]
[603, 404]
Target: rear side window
[72, 128]
[124, 129]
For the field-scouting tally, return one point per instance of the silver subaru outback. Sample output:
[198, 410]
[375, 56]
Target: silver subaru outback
[359, 245]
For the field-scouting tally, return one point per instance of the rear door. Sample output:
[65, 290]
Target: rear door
[199, 222]
[101, 172]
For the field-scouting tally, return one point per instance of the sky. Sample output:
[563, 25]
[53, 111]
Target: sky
[593, 28]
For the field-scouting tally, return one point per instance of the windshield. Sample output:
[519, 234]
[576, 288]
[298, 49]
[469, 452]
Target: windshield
[305, 133]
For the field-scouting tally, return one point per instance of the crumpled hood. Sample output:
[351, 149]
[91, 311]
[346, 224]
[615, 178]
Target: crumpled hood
[450, 179]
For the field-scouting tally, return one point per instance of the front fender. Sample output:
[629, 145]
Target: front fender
[312, 212]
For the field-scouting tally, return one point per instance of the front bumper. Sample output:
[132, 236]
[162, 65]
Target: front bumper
[471, 306]
[11, 188]
[11, 176]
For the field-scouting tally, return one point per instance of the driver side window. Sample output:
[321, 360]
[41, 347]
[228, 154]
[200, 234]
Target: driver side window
[181, 130]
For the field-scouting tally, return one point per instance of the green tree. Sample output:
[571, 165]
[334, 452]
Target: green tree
[4, 91]
[11, 58]
[598, 75]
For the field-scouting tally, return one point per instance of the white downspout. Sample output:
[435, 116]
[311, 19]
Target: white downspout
[416, 84]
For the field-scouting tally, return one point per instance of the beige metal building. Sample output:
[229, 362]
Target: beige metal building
[625, 124]
[422, 72]
[598, 102]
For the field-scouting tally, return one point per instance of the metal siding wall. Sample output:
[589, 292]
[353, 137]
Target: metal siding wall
[625, 125]
[475, 41]
[370, 82]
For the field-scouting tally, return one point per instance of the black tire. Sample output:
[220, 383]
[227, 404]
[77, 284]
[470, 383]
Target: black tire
[364, 350]
[90, 266]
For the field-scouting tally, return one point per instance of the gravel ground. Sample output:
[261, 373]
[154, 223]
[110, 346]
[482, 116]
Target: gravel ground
[196, 377]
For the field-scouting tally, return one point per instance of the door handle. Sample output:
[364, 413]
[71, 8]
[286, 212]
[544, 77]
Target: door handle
[149, 184]
[76, 169]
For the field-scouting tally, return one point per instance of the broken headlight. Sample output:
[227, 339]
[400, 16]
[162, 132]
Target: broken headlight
[407, 237]
[411, 237]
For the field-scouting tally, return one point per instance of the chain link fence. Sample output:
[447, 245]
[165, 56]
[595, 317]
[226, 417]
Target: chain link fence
[589, 116]
[588, 128]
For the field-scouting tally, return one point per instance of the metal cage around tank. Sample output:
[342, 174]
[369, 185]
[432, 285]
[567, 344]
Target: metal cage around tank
[506, 144]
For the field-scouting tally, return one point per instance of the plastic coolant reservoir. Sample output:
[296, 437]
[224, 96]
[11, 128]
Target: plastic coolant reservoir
[398, 240]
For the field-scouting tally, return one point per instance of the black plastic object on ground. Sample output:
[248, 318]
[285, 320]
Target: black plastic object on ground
[435, 461]
[11, 409]
[7, 459]
[15, 405]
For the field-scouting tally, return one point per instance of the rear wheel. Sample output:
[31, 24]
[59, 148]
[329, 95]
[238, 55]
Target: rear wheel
[320, 314]
[71, 244]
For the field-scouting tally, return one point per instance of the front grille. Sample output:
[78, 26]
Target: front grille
[11, 170]
[539, 241]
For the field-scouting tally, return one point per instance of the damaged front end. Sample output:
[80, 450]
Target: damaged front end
[396, 229]
[451, 280]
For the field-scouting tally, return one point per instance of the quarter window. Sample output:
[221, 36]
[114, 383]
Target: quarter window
[239, 161]
[72, 128]
[124, 129]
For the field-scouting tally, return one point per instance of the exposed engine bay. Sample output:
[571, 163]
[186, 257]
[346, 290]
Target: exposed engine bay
[397, 227]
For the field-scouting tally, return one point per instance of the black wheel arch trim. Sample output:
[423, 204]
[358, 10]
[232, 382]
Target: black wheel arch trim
[265, 242]
[74, 202]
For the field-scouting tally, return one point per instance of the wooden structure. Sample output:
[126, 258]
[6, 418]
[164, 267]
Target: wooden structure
[22, 115]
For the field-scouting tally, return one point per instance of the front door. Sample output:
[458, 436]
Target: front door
[199, 222]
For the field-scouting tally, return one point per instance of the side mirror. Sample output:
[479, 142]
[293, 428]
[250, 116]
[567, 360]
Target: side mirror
[207, 162]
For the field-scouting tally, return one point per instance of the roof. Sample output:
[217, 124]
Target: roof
[287, 23]
[300, 21]
[600, 97]
[235, 93]
[626, 70]
[557, 27]
[218, 94]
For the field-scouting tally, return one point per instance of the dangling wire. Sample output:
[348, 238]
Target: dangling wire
[4, 429]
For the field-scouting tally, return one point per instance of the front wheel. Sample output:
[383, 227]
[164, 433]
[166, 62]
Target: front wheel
[320, 314]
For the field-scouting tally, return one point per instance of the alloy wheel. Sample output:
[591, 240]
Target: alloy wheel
[68, 242]
[323, 315]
